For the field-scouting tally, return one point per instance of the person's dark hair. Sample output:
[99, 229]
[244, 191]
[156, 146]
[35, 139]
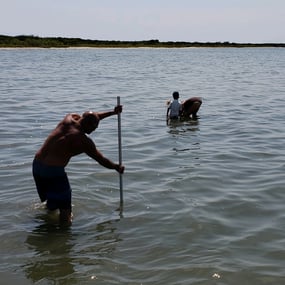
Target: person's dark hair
[90, 121]
[90, 117]
[175, 95]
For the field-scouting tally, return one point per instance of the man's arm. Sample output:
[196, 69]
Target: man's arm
[181, 108]
[168, 108]
[117, 110]
[91, 150]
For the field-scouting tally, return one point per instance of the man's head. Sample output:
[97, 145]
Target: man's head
[89, 122]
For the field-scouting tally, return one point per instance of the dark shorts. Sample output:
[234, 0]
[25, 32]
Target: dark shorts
[52, 185]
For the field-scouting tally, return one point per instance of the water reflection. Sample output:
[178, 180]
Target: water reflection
[177, 127]
[59, 250]
[185, 137]
[52, 245]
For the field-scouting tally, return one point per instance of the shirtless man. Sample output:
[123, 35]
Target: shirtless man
[191, 107]
[65, 141]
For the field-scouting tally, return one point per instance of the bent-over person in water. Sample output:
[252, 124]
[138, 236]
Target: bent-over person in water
[68, 139]
[191, 107]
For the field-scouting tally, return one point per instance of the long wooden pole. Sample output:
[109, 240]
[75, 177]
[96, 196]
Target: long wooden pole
[120, 150]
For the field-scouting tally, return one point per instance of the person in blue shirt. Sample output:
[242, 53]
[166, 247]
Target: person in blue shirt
[174, 109]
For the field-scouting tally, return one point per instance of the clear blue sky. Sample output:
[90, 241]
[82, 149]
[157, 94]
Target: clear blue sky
[166, 20]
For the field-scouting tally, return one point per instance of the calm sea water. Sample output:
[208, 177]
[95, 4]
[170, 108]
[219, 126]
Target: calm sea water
[203, 200]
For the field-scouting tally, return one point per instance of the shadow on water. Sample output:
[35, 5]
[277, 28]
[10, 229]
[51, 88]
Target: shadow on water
[59, 249]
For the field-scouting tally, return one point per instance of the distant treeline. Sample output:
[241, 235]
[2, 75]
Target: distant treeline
[25, 41]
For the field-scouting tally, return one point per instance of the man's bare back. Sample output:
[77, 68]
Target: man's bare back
[65, 141]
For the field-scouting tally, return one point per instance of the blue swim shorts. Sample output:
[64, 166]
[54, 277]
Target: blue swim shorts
[52, 185]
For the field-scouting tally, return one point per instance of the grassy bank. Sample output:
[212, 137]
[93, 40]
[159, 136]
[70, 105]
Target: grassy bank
[25, 41]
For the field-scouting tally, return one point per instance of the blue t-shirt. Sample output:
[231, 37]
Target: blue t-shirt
[175, 108]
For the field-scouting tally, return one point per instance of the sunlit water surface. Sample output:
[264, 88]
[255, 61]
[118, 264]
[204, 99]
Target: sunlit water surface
[203, 200]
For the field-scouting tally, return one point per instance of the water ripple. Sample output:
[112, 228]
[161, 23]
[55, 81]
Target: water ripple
[204, 198]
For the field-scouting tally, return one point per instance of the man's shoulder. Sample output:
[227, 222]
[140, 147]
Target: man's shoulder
[73, 116]
[70, 120]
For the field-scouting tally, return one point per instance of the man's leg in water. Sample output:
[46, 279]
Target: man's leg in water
[195, 108]
[65, 215]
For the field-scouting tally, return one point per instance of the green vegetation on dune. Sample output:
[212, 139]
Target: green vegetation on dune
[25, 41]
